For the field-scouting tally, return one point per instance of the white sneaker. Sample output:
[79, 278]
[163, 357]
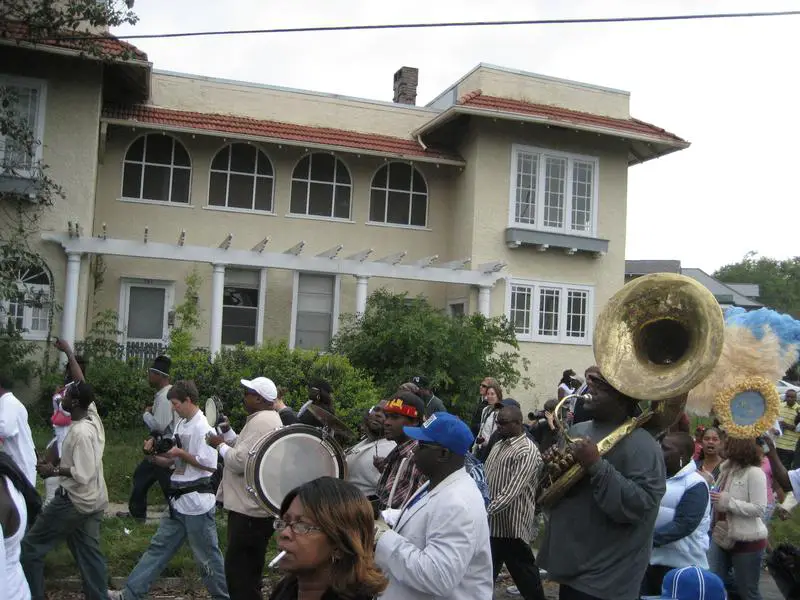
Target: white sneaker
[116, 595]
[512, 591]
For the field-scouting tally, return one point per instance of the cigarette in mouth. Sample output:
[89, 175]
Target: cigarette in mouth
[275, 560]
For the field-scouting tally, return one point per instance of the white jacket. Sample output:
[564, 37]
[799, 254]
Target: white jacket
[440, 546]
[744, 502]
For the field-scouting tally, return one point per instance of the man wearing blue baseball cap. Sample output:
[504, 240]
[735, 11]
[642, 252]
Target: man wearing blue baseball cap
[690, 583]
[440, 544]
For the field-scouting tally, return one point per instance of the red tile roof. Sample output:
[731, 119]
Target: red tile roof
[107, 44]
[232, 124]
[477, 99]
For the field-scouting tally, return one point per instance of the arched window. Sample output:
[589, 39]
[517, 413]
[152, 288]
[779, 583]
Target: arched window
[399, 196]
[28, 310]
[321, 187]
[157, 168]
[241, 177]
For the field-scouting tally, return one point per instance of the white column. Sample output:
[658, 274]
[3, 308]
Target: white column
[485, 300]
[217, 287]
[69, 316]
[361, 294]
[262, 306]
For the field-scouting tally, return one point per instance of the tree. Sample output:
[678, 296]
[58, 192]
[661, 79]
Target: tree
[778, 280]
[73, 24]
[398, 338]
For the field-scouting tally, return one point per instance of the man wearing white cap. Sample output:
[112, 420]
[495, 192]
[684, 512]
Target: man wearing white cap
[249, 525]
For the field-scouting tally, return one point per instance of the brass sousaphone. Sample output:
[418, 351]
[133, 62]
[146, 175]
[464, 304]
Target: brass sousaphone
[656, 339]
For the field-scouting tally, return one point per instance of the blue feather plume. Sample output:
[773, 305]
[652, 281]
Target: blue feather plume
[786, 328]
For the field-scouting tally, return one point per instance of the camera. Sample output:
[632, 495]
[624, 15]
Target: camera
[163, 444]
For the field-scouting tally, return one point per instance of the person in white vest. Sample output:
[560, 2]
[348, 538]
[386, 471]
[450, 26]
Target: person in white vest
[681, 536]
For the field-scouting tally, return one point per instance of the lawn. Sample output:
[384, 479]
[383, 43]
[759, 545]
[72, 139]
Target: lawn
[124, 540]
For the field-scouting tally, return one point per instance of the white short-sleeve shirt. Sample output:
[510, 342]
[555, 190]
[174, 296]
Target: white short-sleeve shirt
[193, 440]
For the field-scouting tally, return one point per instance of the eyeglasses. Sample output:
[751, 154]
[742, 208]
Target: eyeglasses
[297, 527]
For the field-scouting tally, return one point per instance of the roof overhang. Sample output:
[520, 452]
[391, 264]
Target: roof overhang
[439, 160]
[641, 147]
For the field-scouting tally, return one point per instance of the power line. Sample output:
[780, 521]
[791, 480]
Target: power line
[323, 29]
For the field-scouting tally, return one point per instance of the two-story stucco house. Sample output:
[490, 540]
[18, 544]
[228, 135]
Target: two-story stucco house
[504, 195]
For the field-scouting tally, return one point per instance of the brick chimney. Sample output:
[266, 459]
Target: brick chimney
[405, 85]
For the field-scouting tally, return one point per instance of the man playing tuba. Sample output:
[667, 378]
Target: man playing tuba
[614, 507]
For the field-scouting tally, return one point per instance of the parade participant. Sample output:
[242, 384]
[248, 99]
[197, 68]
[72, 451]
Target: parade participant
[400, 475]
[690, 583]
[13, 522]
[680, 538]
[76, 512]
[16, 439]
[192, 504]
[598, 538]
[567, 384]
[160, 420]
[787, 442]
[739, 536]
[710, 459]
[512, 471]
[361, 471]
[475, 422]
[60, 419]
[320, 393]
[494, 400]
[432, 403]
[249, 524]
[326, 531]
[439, 547]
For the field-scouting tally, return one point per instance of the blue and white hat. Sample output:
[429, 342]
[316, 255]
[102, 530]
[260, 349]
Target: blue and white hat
[690, 583]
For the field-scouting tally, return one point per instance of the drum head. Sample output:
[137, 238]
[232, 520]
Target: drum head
[289, 457]
[212, 411]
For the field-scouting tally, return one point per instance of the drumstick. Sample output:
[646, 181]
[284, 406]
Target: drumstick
[275, 560]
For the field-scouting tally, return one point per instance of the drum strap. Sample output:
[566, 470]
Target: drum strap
[202, 486]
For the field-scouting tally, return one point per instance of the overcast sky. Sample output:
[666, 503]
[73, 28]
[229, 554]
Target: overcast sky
[727, 86]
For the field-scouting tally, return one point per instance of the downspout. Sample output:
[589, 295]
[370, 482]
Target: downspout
[421, 143]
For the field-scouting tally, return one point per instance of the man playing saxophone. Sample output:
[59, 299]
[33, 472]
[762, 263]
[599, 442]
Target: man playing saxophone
[596, 543]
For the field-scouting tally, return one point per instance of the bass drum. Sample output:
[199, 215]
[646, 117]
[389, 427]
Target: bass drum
[289, 457]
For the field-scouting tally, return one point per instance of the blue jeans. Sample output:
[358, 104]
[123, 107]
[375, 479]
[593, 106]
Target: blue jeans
[201, 533]
[746, 570]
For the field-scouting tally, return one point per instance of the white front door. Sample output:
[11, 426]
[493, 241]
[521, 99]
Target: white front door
[144, 312]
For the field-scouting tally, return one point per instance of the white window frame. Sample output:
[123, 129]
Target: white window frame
[144, 164]
[262, 303]
[411, 194]
[337, 293]
[38, 130]
[516, 150]
[454, 302]
[32, 335]
[564, 288]
[255, 176]
[126, 283]
[333, 183]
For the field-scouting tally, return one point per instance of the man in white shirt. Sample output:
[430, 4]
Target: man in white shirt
[249, 524]
[15, 433]
[192, 504]
[361, 469]
[160, 420]
[439, 547]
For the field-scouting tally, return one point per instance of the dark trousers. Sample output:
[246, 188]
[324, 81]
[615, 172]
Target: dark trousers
[59, 522]
[145, 475]
[787, 457]
[244, 560]
[521, 563]
[567, 593]
[653, 578]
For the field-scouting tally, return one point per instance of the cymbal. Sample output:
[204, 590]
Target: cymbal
[330, 421]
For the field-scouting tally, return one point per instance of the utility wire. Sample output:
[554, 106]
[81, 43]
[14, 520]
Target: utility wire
[321, 29]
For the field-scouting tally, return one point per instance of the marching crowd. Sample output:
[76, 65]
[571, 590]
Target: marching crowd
[432, 507]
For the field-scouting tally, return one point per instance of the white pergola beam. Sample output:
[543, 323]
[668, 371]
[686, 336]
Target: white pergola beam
[492, 267]
[226, 243]
[360, 256]
[273, 260]
[259, 247]
[427, 261]
[296, 249]
[182, 238]
[456, 265]
[331, 253]
[393, 259]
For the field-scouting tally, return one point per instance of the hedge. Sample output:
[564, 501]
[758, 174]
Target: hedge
[122, 390]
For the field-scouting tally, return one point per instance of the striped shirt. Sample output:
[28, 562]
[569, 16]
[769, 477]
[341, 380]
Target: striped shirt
[399, 465]
[513, 470]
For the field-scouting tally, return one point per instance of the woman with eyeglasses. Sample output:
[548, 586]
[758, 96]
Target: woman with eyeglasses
[327, 530]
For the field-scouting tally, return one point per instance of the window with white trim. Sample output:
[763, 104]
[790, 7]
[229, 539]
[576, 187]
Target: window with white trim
[321, 187]
[28, 312]
[157, 168]
[22, 105]
[240, 305]
[398, 196]
[550, 312]
[241, 177]
[553, 191]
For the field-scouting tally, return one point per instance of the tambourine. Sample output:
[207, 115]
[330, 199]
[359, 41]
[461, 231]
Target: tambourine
[213, 411]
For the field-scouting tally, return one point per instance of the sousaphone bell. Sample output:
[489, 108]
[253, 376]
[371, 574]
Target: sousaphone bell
[655, 340]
